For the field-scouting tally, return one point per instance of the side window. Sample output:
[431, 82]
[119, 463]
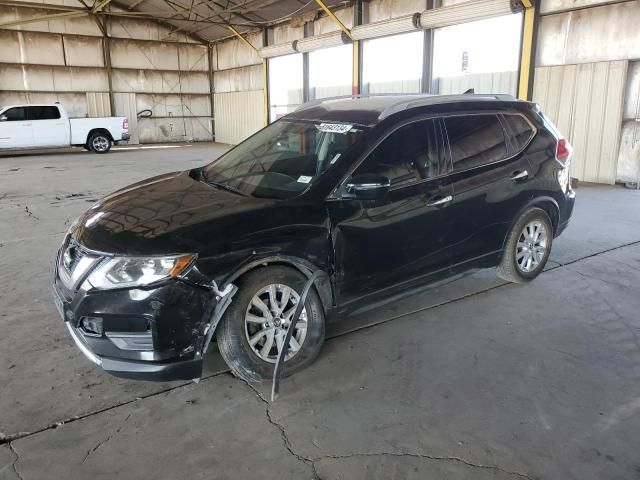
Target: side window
[475, 140]
[16, 114]
[408, 155]
[521, 131]
[44, 113]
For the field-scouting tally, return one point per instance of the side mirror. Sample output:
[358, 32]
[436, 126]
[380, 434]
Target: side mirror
[3, 118]
[368, 186]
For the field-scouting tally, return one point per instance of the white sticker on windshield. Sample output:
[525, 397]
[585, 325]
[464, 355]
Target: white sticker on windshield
[335, 158]
[334, 127]
[304, 179]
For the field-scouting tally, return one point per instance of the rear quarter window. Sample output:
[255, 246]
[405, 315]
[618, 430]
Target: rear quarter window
[475, 140]
[520, 131]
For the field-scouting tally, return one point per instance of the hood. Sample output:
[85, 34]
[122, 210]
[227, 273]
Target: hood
[172, 213]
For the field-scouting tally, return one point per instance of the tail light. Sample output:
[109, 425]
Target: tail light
[563, 156]
[563, 150]
[125, 124]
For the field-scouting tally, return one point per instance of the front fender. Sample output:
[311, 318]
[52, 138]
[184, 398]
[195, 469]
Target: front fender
[324, 286]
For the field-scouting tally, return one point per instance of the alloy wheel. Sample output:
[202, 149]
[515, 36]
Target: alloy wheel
[267, 320]
[532, 246]
[100, 143]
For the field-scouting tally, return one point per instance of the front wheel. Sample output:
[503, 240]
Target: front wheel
[252, 332]
[527, 247]
[100, 142]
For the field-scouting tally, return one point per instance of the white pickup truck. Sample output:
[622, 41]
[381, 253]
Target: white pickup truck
[48, 125]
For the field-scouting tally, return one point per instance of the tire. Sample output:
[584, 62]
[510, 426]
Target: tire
[525, 255]
[100, 142]
[234, 331]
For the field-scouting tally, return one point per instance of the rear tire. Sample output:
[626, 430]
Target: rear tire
[527, 247]
[100, 142]
[248, 336]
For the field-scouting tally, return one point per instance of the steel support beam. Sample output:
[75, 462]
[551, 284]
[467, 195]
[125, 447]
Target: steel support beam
[356, 88]
[41, 6]
[333, 17]
[211, 87]
[527, 49]
[426, 84]
[306, 90]
[106, 52]
[265, 79]
[98, 6]
[42, 18]
[239, 35]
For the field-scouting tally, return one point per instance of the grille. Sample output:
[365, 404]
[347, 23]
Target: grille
[74, 264]
[71, 256]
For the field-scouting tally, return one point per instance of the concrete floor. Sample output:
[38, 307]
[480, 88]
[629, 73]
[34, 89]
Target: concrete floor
[474, 379]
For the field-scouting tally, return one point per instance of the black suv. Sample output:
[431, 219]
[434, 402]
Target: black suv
[383, 194]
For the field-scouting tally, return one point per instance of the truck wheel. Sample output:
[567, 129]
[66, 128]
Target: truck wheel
[527, 248]
[99, 142]
[252, 332]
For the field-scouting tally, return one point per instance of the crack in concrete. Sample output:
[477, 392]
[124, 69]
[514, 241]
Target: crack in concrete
[424, 456]
[283, 433]
[593, 277]
[10, 438]
[13, 465]
[7, 439]
[612, 249]
[106, 440]
[312, 461]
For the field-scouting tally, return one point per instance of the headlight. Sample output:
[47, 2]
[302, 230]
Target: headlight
[122, 272]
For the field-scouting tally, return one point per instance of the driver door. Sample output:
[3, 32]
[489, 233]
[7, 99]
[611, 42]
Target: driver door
[17, 130]
[384, 246]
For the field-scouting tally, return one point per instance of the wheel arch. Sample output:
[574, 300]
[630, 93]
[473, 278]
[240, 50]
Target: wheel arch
[99, 130]
[548, 204]
[323, 286]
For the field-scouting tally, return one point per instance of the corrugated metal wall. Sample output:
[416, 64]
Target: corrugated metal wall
[238, 115]
[98, 104]
[63, 60]
[125, 105]
[585, 102]
[629, 155]
[494, 82]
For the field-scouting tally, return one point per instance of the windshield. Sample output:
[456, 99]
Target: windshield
[282, 160]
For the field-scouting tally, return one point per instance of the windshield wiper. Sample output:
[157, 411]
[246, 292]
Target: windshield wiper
[228, 188]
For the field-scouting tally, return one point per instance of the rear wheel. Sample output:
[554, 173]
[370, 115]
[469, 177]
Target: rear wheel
[527, 247]
[252, 332]
[99, 142]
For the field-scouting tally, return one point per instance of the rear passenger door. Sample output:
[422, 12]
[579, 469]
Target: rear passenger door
[490, 184]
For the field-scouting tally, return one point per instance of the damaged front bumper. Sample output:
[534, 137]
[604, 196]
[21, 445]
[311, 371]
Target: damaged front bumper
[157, 333]
[139, 370]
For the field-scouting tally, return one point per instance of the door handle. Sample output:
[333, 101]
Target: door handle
[519, 175]
[440, 201]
